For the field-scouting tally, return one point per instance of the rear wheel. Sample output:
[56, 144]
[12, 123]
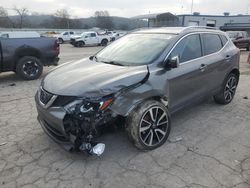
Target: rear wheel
[229, 90]
[29, 68]
[148, 126]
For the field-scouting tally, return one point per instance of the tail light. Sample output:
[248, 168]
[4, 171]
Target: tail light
[57, 46]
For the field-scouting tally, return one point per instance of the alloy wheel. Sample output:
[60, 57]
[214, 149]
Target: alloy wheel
[153, 126]
[230, 88]
[30, 68]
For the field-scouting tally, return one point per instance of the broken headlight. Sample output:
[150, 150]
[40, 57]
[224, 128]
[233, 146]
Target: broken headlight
[83, 106]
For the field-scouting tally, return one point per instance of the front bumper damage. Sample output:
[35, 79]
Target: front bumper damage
[75, 130]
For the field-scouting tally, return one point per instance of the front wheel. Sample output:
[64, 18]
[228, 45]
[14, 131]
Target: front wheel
[60, 41]
[229, 90]
[79, 44]
[148, 126]
[104, 42]
[29, 68]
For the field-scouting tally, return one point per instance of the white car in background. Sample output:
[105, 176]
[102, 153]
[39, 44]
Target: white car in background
[20, 34]
[90, 39]
[65, 36]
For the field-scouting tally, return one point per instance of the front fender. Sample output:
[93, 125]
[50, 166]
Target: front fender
[156, 86]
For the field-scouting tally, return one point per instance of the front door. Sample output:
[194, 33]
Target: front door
[188, 82]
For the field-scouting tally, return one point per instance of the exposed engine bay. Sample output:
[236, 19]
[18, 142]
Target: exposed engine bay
[82, 123]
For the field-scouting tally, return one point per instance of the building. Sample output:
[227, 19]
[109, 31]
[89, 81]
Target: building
[225, 22]
[159, 20]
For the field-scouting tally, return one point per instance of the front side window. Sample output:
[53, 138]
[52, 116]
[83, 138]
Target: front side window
[66, 33]
[188, 48]
[212, 43]
[135, 49]
[93, 35]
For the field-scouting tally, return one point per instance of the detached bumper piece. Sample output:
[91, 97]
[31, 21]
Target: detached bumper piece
[92, 148]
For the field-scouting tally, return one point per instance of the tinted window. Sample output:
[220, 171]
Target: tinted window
[93, 35]
[189, 48]
[66, 33]
[223, 39]
[212, 43]
[72, 33]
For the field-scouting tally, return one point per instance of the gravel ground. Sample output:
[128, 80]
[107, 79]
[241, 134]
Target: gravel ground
[214, 150]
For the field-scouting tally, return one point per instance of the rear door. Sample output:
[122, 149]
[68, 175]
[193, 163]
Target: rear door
[187, 83]
[214, 60]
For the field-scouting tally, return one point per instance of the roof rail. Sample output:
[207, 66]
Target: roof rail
[199, 27]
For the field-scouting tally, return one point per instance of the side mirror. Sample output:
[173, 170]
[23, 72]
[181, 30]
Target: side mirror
[173, 62]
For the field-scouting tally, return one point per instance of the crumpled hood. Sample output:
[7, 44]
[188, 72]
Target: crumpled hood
[92, 79]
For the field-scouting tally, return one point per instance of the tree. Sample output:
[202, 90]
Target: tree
[103, 20]
[4, 19]
[22, 13]
[62, 19]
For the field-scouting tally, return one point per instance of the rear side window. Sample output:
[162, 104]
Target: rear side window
[223, 39]
[188, 48]
[212, 43]
[72, 33]
[93, 35]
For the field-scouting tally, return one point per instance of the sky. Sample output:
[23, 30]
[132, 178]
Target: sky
[130, 8]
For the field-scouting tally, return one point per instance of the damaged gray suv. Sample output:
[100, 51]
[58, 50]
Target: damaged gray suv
[143, 77]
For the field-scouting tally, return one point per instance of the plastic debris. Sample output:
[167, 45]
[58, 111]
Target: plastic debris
[176, 139]
[2, 144]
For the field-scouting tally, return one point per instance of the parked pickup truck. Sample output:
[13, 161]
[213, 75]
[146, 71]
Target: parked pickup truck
[65, 36]
[90, 38]
[240, 39]
[27, 56]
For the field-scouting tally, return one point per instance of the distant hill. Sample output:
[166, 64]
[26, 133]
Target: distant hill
[48, 21]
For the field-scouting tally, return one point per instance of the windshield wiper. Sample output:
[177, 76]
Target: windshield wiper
[112, 63]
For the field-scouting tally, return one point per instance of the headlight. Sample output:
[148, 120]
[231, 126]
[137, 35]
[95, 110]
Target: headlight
[83, 106]
[105, 104]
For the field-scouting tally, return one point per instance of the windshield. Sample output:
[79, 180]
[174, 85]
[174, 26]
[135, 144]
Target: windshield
[135, 49]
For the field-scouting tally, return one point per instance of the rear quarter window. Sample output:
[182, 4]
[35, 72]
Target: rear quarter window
[224, 40]
[211, 43]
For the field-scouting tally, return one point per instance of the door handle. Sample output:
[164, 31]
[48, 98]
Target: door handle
[203, 67]
[228, 57]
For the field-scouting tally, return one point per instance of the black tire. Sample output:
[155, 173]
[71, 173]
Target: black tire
[79, 44]
[228, 91]
[140, 130]
[29, 68]
[60, 41]
[104, 42]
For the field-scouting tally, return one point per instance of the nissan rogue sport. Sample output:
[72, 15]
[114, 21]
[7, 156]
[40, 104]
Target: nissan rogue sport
[143, 77]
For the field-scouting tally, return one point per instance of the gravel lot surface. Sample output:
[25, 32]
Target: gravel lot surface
[214, 150]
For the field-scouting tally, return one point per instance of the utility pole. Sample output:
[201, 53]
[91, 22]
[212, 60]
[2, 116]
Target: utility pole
[192, 6]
